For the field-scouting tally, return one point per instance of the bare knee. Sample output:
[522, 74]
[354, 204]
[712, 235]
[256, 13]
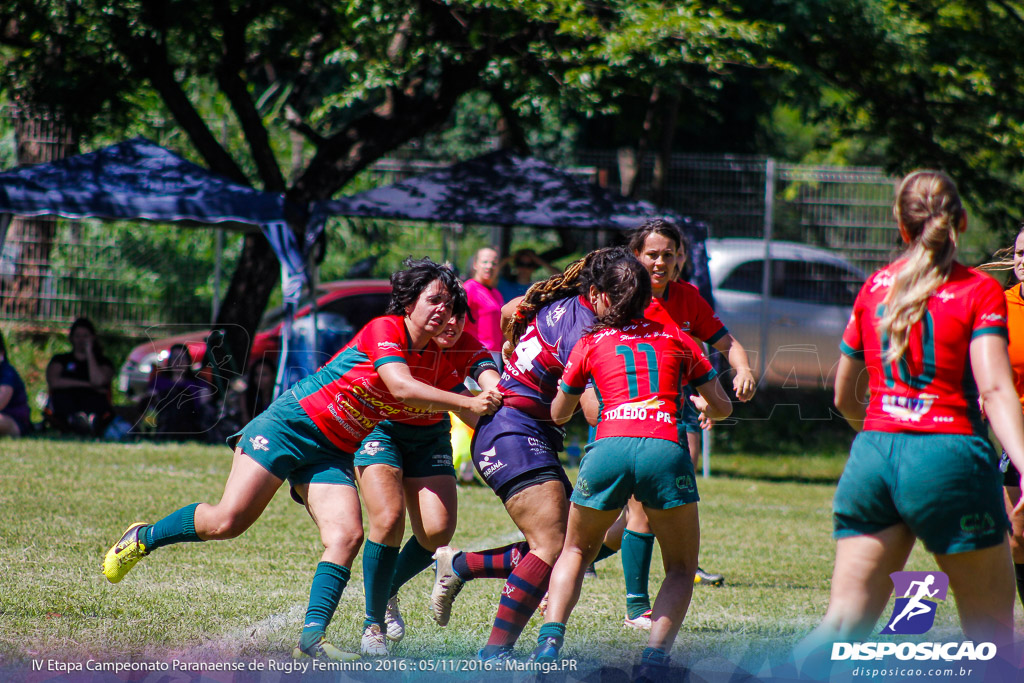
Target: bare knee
[224, 524]
[388, 521]
[343, 540]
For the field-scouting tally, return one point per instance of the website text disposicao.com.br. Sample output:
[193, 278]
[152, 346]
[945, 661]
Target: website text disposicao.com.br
[913, 672]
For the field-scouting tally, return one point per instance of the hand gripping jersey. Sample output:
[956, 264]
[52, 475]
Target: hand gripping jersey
[530, 378]
[467, 358]
[346, 397]
[637, 373]
[683, 305]
[931, 389]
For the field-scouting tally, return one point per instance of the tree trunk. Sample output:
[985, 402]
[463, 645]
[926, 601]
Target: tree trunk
[256, 275]
[39, 138]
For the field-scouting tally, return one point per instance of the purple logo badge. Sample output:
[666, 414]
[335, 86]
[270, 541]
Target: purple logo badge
[916, 594]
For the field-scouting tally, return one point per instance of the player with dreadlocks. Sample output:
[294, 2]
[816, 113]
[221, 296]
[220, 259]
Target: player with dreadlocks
[516, 450]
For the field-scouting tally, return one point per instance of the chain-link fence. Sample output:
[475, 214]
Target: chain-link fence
[131, 277]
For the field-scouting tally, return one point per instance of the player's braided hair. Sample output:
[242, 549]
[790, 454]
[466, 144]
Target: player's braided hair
[575, 279]
[928, 208]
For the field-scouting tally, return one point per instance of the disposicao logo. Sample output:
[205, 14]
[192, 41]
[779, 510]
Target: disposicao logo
[917, 597]
[914, 612]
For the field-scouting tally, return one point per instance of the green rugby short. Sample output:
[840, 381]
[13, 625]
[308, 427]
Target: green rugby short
[946, 487]
[657, 471]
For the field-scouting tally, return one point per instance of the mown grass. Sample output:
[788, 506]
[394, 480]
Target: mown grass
[63, 503]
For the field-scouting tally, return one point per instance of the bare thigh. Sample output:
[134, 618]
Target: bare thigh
[247, 492]
[433, 509]
[540, 512]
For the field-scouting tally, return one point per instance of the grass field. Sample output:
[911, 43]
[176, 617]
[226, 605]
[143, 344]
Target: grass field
[63, 503]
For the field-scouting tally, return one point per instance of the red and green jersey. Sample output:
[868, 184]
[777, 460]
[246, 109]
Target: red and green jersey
[683, 305]
[637, 372]
[932, 388]
[466, 358]
[346, 397]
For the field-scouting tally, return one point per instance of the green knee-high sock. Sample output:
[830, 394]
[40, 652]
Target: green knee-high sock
[413, 559]
[329, 582]
[177, 527]
[378, 573]
[636, 568]
[604, 552]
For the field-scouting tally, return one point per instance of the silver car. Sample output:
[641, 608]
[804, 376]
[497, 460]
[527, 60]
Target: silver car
[798, 331]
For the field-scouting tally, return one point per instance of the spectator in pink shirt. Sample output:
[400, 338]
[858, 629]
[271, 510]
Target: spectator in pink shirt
[485, 301]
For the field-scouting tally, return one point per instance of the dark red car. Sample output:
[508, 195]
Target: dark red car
[343, 307]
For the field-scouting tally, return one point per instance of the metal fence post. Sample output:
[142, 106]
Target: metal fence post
[766, 273]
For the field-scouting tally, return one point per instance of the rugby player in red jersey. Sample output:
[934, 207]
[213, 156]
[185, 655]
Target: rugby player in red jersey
[927, 337]
[308, 436]
[637, 367]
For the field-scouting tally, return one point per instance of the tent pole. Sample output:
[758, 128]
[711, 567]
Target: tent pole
[218, 256]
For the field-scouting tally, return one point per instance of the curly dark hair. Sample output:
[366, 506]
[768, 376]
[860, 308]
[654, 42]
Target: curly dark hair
[654, 226]
[408, 284]
[628, 286]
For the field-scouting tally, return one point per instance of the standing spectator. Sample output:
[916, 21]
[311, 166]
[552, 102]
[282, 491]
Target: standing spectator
[79, 383]
[14, 410]
[485, 302]
[525, 261]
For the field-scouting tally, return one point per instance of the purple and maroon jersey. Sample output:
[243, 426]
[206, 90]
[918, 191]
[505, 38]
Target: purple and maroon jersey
[683, 305]
[530, 378]
[931, 389]
[346, 398]
[637, 373]
[466, 358]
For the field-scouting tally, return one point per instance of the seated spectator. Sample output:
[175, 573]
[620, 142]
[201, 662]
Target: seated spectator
[79, 384]
[180, 400]
[526, 262]
[14, 409]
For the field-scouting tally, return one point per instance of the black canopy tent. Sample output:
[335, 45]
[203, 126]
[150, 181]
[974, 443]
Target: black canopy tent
[503, 189]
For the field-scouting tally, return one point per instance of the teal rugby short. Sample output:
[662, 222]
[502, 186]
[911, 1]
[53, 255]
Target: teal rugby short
[286, 443]
[657, 471]
[416, 450]
[946, 487]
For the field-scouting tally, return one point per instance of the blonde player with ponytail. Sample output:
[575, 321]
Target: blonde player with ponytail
[926, 337]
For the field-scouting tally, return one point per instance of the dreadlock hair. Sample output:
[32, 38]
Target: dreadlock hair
[408, 284]
[654, 226]
[628, 286]
[575, 279]
[928, 208]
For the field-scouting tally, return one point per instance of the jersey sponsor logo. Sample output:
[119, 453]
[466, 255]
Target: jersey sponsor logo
[555, 313]
[907, 408]
[389, 345]
[489, 466]
[259, 443]
[993, 318]
[946, 296]
[380, 404]
[442, 459]
[640, 411]
[978, 523]
[371, 448]
[354, 412]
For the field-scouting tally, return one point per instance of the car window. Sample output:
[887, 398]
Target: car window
[745, 277]
[358, 309]
[816, 283]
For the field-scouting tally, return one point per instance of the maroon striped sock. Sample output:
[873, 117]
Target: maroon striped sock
[496, 563]
[519, 599]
